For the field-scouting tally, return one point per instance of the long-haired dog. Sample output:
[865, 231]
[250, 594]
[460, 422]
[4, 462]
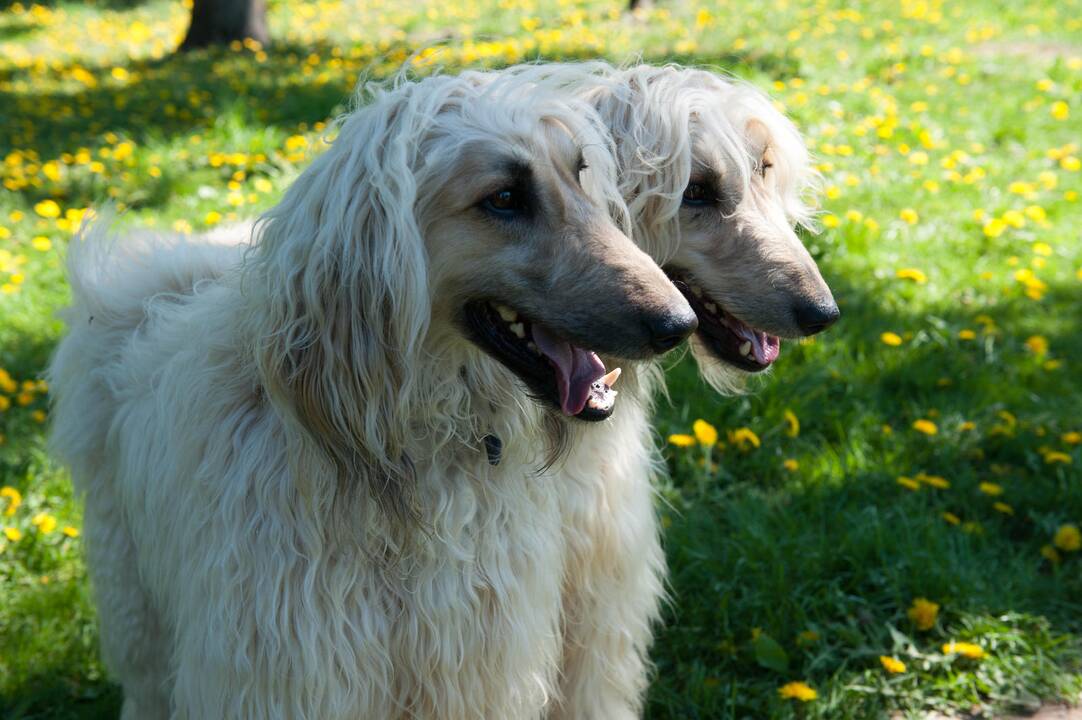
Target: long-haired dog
[337, 468]
[715, 181]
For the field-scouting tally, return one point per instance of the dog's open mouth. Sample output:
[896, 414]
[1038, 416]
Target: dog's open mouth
[571, 378]
[727, 336]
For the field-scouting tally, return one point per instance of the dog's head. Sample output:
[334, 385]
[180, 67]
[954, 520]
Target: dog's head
[715, 179]
[454, 212]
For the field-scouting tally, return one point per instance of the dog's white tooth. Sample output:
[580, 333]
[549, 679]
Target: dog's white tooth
[696, 291]
[518, 329]
[506, 313]
[611, 378]
[532, 346]
[711, 307]
[745, 349]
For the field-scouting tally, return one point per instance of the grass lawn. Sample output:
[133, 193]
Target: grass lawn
[927, 450]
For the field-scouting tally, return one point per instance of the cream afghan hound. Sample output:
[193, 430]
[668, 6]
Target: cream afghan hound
[715, 179]
[337, 465]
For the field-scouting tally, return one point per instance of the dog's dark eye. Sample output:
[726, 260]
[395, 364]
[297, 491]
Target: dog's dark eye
[506, 202]
[763, 167]
[699, 194]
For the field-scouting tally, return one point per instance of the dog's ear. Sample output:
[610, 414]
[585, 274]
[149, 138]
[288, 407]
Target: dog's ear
[339, 279]
[653, 151]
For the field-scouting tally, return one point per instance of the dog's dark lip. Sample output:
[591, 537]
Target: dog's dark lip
[487, 329]
[713, 329]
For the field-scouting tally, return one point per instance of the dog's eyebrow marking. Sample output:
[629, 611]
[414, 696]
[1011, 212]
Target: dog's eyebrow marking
[494, 448]
[705, 174]
[518, 169]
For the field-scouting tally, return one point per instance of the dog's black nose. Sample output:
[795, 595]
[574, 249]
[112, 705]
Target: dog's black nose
[668, 329]
[813, 317]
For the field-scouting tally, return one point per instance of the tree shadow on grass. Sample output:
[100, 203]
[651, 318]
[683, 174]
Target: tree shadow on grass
[60, 695]
[103, 4]
[232, 93]
[186, 92]
[839, 547]
[176, 95]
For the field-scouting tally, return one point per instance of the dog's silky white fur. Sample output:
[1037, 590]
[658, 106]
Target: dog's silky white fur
[655, 113]
[274, 533]
[668, 121]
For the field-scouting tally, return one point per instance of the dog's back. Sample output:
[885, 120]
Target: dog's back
[115, 281]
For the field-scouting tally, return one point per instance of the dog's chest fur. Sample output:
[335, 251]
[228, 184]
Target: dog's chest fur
[459, 617]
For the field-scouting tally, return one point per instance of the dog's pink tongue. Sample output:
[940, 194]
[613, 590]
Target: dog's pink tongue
[576, 369]
[766, 347]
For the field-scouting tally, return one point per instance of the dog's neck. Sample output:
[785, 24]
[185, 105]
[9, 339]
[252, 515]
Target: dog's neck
[485, 412]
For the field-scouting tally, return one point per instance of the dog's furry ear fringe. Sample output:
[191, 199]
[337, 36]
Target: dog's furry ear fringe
[340, 296]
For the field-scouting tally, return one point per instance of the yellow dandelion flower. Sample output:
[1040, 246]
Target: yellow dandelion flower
[1070, 163]
[831, 221]
[909, 215]
[1003, 508]
[705, 433]
[1037, 344]
[912, 274]
[892, 665]
[1068, 538]
[891, 338]
[908, 482]
[744, 438]
[792, 428]
[994, 228]
[1014, 218]
[44, 522]
[791, 465]
[925, 426]
[212, 218]
[70, 531]
[797, 691]
[936, 481]
[1056, 456]
[47, 209]
[1072, 438]
[1050, 554]
[41, 243]
[14, 499]
[969, 650]
[681, 440]
[1060, 110]
[951, 518]
[13, 534]
[967, 334]
[923, 613]
[967, 426]
[990, 488]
